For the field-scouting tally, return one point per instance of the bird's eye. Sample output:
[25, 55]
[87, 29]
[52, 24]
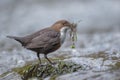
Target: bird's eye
[64, 23]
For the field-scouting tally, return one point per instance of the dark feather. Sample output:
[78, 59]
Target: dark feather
[19, 39]
[45, 42]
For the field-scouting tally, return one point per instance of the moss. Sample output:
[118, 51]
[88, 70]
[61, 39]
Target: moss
[43, 71]
[72, 46]
[53, 77]
[73, 34]
[4, 74]
[100, 54]
[116, 66]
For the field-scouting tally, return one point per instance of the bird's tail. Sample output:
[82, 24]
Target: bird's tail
[19, 39]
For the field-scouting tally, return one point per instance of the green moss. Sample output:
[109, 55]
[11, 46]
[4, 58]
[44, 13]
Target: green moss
[22, 70]
[100, 54]
[73, 46]
[53, 77]
[4, 74]
[116, 66]
[73, 34]
[43, 71]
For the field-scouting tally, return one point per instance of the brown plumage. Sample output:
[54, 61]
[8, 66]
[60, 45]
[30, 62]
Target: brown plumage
[46, 40]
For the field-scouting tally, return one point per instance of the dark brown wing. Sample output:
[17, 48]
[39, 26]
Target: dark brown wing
[28, 38]
[45, 42]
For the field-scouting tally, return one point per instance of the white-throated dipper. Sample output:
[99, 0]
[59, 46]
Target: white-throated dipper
[46, 40]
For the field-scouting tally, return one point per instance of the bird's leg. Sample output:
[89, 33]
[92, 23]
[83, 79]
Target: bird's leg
[38, 55]
[48, 59]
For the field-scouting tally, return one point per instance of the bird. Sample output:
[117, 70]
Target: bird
[46, 40]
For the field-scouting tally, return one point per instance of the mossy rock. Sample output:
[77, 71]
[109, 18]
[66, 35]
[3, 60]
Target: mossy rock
[43, 71]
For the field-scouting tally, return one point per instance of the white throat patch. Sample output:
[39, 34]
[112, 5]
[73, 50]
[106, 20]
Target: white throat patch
[63, 34]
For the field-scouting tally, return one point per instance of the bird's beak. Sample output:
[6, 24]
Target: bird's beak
[69, 25]
[73, 27]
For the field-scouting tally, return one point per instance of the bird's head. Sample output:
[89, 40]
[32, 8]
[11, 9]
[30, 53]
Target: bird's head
[61, 24]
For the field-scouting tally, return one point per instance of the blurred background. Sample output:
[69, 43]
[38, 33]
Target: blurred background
[99, 30]
[29, 15]
[23, 17]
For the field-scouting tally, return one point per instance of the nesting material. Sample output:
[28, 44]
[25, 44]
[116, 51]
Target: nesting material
[73, 34]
